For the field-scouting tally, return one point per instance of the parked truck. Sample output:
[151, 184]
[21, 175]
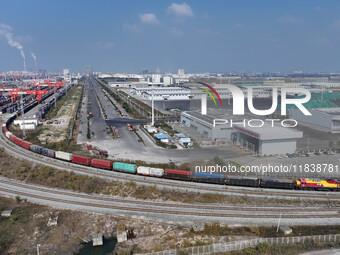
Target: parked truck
[117, 133]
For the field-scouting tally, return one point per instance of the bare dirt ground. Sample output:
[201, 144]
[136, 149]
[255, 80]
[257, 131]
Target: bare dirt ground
[58, 130]
[27, 227]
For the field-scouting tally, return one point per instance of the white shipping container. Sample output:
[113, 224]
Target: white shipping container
[156, 171]
[143, 170]
[63, 155]
[8, 134]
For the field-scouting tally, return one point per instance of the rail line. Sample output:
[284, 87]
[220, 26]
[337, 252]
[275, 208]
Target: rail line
[28, 155]
[161, 211]
[163, 204]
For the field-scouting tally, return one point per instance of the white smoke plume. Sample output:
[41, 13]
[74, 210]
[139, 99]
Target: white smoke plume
[34, 58]
[5, 31]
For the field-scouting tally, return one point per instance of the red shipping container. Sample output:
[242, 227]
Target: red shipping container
[102, 163]
[18, 141]
[25, 144]
[174, 171]
[4, 129]
[12, 138]
[81, 160]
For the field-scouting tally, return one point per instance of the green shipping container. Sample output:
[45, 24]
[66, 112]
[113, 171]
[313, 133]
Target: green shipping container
[131, 168]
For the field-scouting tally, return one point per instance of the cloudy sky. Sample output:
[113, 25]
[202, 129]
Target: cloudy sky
[198, 36]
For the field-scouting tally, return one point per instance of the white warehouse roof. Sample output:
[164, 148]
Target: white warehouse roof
[267, 132]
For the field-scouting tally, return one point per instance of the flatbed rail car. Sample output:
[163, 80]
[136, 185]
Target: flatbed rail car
[317, 184]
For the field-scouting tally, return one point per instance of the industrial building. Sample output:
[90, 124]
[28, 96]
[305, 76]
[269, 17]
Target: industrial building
[162, 93]
[204, 125]
[265, 140]
[323, 119]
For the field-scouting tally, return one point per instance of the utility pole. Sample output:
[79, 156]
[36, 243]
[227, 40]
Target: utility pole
[22, 117]
[152, 110]
[55, 98]
[308, 144]
[38, 245]
[278, 224]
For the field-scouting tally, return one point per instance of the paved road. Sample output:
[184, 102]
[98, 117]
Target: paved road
[127, 147]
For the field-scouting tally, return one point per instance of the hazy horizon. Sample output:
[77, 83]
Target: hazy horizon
[197, 36]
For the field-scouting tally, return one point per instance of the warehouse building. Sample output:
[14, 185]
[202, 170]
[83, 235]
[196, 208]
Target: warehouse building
[204, 125]
[170, 95]
[265, 140]
[323, 119]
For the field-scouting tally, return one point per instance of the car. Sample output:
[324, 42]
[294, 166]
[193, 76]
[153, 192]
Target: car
[139, 140]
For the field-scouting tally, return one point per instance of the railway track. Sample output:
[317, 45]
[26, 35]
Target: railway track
[214, 207]
[163, 210]
[19, 152]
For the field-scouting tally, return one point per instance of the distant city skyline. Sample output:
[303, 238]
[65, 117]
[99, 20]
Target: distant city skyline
[197, 36]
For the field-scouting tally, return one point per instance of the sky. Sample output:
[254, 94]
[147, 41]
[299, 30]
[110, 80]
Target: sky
[197, 36]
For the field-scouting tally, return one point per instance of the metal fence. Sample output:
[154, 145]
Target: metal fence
[239, 245]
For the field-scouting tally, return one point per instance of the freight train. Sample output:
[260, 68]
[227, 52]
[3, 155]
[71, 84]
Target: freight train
[302, 183]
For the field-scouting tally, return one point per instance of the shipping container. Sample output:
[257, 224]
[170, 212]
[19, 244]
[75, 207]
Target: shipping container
[177, 174]
[208, 178]
[12, 137]
[18, 141]
[81, 160]
[143, 170]
[158, 172]
[63, 155]
[8, 134]
[276, 184]
[242, 181]
[4, 129]
[48, 152]
[102, 163]
[36, 148]
[25, 144]
[123, 167]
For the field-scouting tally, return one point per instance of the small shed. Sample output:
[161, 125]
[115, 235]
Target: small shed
[286, 230]
[6, 213]
[163, 138]
[97, 239]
